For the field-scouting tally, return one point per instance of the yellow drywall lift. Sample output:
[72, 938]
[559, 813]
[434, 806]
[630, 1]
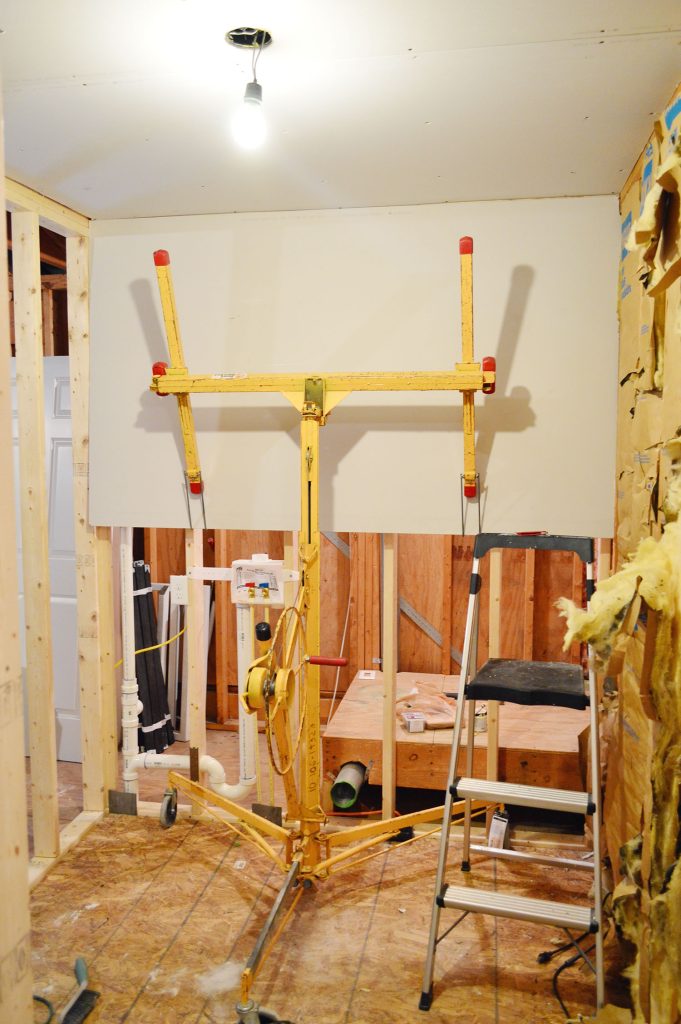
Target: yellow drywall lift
[309, 851]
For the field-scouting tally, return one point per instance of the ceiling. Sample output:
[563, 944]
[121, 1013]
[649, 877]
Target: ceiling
[122, 109]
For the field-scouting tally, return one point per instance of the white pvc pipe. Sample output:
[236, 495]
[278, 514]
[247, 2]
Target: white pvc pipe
[130, 702]
[132, 706]
[213, 769]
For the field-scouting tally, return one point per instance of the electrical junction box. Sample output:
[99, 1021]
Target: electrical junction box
[179, 591]
[260, 580]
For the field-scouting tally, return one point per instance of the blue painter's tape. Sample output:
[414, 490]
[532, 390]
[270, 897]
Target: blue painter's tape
[671, 114]
[626, 228]
[646, 184]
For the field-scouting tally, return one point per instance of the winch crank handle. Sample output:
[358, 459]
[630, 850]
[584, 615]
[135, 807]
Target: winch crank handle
[316, 659]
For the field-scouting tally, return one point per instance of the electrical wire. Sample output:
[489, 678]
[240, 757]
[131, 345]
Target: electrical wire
[559, 970]
[549, 954]
[575, 958]
[255, 57]
[154, 647]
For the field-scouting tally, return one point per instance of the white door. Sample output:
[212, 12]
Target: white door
[59, 470]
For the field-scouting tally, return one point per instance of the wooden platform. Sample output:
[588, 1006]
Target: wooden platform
[537, 746]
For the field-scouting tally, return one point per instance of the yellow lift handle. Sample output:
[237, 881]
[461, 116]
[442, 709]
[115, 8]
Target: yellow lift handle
[470, 486]
[167, 293]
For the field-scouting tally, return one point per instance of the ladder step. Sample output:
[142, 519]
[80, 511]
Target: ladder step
[524, 796]
[521, 908]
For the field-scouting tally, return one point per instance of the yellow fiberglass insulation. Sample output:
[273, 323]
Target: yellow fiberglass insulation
[655, 900]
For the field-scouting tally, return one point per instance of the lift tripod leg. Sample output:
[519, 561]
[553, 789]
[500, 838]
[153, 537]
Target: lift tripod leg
[246, 1009]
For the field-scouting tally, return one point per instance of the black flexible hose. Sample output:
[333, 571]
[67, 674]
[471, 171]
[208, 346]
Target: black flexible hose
[559, 970]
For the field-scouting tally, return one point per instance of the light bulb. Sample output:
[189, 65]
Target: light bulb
[249, 126]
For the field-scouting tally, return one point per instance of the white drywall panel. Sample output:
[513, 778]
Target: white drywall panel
[370, 289]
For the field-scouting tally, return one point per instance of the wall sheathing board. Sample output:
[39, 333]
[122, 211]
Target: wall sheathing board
[641, 806]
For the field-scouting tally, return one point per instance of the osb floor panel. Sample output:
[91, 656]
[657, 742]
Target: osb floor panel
[153, 910]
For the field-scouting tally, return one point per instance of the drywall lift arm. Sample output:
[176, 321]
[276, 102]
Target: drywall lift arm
[176, 365]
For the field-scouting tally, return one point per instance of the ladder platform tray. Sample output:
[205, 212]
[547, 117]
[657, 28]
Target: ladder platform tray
[566, 800]
[520, 908]
[555, 683]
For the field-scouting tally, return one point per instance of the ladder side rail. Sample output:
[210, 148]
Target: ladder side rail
[470, 735]
[470, 750]
[468, 646]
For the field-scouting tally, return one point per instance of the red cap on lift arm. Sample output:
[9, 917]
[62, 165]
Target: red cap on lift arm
[159, 370]
[196, 486]
[466, 245]
[489, 363]
[469, 490]
[161, 258]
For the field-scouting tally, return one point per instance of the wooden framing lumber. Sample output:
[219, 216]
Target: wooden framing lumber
[70, 835]
[34, 533]
[603, 558]
[47, 297]
[16, 978]
[95, 744]
[365, 604]
[390, 660]
[107, 638]
[447, 543]
[52, 214]
[223, 610]
[528, 605]
[577, 597]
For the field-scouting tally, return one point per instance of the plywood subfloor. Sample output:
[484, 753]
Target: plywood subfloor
[153, 911]
[537, 745]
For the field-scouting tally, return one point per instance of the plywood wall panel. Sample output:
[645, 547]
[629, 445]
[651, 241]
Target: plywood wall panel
[553, 577]
[421, 582]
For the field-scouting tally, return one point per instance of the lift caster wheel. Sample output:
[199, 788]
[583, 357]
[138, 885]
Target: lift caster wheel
[169, 808]
[265, 1017]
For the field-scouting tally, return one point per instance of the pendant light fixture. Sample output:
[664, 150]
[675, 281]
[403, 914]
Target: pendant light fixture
[249, 126]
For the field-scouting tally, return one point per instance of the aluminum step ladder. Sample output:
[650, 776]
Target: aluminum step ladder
[529, 683]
